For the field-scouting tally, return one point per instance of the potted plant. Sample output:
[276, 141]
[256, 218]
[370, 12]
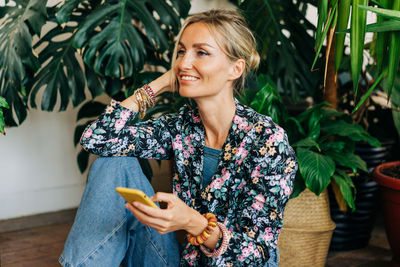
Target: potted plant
[334, 16]
[324, 140]
[387, 175]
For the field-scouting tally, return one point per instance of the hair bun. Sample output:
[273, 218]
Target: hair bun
[254, 60]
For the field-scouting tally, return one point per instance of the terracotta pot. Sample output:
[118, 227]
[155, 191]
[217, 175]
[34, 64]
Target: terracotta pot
[390, 193]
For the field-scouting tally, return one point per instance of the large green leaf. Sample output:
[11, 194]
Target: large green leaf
[337, 146]
[112, 39]
[90, 109]
[267, 101]
[62, 75]
[305, 115]
[306, 142]
[83, 160]
[314, 128]
[346, 187]
[298, 186]
[349, 160]
[17, 60]
[315, 168]
[354, 132]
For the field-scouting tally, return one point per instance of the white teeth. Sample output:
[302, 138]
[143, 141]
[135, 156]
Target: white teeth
[188, 78]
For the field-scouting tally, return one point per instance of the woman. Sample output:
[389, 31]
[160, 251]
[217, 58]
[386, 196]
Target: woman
[231, 164]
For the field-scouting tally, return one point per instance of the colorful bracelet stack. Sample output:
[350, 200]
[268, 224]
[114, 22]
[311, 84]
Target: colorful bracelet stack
[145, 98]
[226, 236]
[201, 238]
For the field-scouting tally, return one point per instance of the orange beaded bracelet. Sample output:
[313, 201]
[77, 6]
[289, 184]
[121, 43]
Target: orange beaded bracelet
[201, 238]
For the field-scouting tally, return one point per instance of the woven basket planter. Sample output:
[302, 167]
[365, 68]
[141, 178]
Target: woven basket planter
[307, 231]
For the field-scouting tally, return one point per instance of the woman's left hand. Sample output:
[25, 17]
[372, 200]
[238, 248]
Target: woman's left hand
[175, 217]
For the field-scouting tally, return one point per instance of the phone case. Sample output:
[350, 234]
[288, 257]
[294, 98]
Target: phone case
[131, 195]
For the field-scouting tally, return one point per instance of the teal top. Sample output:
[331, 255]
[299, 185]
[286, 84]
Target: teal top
[210, 164]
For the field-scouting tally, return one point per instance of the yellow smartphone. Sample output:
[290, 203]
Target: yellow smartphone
[131, 195]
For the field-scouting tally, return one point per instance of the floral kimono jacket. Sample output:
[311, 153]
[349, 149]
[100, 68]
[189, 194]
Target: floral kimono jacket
[249, 190]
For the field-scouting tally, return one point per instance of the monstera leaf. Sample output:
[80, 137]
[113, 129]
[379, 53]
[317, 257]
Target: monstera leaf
[18, 24]
[62, 72]
[96, 44]
[115, 35]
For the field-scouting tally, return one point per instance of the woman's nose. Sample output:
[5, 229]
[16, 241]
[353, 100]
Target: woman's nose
[186, 61]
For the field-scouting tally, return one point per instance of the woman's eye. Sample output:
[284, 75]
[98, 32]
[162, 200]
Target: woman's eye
[202, 53]
[181, 52]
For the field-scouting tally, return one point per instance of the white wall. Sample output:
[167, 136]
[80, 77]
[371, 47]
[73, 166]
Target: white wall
[38, 169]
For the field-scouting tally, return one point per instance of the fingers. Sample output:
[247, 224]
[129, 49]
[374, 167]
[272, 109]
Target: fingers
[163, 197]
[159, 224]
[148, 211]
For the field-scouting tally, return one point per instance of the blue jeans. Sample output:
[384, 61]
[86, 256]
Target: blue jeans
[106, 234]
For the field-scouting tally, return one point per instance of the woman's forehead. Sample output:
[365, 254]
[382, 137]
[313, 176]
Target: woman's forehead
[198, 34]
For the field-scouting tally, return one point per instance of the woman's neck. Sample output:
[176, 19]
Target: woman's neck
[216, 115]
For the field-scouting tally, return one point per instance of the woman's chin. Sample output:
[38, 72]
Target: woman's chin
[186, 93]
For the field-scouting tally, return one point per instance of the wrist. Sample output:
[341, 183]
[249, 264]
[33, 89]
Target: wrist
[158, 85]
[130, 103]
[196, 224]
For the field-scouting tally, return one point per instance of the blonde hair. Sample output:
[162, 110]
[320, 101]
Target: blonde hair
[232, 35]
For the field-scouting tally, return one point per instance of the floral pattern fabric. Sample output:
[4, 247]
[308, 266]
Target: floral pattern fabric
[249, 190]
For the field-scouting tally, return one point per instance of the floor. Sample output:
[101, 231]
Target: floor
[36, 247]
[376, 254]
[41, 247]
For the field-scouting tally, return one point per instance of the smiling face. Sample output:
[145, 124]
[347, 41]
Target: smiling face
[201, 67]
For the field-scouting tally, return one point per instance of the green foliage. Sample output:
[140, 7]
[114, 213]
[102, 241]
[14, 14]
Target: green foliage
[384, 47]
[284, 43]
[323, 139]
[18, 63]
[94, 44]
[99, 45]
[3, 104]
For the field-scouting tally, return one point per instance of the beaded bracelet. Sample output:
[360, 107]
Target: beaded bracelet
[145, 97]
[226, 236]
[150, 93]
[201, 238]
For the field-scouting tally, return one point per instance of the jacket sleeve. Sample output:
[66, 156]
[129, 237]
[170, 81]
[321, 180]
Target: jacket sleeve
[272, 166]
[111, 135]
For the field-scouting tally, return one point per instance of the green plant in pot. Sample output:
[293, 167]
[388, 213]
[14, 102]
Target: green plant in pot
[324, 140]
[334, 17]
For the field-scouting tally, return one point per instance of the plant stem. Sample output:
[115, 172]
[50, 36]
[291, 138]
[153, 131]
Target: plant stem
[330, 92]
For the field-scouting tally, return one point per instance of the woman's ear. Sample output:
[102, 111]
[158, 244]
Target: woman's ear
[237, 68]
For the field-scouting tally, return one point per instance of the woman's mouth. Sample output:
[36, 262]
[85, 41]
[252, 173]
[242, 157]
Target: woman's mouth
[188, 78]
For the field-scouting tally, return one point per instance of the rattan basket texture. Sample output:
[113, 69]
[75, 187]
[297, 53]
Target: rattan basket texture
[307, 231]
